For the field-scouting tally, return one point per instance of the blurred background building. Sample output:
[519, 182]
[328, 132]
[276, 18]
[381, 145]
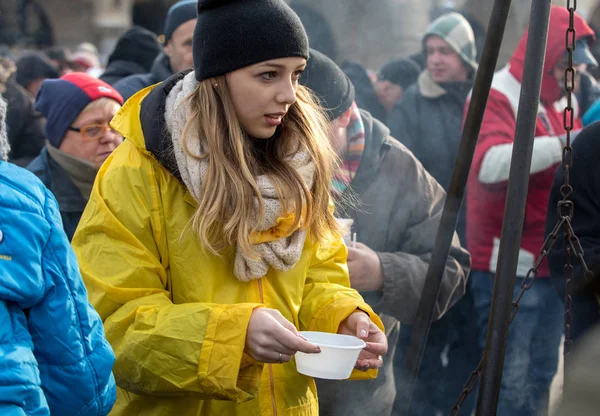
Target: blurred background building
[369, 32]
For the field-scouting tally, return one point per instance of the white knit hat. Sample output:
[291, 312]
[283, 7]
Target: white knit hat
[458, 33]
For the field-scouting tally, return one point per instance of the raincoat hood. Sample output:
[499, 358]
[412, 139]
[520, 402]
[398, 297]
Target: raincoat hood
[556, 47]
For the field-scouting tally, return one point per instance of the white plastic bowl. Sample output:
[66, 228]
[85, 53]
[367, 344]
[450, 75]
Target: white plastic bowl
[337, 357]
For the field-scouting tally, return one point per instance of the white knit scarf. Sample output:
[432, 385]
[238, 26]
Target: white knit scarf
[282, 254]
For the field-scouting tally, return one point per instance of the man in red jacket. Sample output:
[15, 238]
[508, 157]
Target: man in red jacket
[534, 336]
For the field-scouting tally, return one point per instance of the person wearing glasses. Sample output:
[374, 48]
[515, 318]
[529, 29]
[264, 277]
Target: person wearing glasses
[78, 109]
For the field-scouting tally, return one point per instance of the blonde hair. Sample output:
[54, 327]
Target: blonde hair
[225, 213]
[102, 103]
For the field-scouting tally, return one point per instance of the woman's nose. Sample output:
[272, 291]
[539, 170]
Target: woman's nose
[287, 93]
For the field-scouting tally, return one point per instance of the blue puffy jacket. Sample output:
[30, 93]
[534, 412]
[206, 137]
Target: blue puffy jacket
[54, 358]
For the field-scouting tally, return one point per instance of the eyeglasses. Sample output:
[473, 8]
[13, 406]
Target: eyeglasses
[93, 131]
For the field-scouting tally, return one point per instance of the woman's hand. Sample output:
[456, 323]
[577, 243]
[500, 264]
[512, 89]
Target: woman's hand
[360, 325]
[273, 339]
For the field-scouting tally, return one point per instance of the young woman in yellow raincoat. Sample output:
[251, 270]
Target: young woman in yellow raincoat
[208, 241]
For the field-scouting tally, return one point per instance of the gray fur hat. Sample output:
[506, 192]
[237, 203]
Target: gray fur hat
[4, 146]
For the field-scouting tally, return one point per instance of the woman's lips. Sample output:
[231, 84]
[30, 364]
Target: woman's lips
[273, 119]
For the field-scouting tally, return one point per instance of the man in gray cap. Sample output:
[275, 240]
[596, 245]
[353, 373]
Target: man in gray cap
[428, 119]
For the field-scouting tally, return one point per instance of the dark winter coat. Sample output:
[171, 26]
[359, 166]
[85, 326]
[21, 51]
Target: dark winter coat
[117, 70]
[398, 214]
[585, 180]
[70, 201]
[428, 120]
[25, 125]
[161, 70]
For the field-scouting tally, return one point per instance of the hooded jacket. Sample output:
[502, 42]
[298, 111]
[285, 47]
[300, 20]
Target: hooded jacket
[399, 207]
[161, 70]
[486, 191]
[54, 358]
[176, 315]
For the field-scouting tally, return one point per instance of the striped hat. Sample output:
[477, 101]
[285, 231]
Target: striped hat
[458, 33]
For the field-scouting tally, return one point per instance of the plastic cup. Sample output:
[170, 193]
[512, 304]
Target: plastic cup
[346, 226]
[337, 357]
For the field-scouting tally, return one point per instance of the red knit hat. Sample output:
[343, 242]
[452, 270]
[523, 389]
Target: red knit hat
[61, 100]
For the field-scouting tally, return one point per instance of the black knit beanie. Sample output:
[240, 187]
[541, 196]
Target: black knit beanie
[403, 72]
[33, 67]
[233, 34]
[178, 14]
[137, 45]
[329, 83]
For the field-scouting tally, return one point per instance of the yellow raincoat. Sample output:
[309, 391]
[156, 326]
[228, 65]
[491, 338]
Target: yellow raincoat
[176, 316]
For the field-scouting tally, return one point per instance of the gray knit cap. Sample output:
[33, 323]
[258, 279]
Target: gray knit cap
[4, 146]
[458, 33]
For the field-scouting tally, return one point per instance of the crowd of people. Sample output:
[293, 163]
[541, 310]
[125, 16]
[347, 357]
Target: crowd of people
[172, 220]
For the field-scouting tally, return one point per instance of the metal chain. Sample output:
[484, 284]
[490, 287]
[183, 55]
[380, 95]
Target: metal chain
[572, 245]
[566, 189]
[468, 388]
[526, 284]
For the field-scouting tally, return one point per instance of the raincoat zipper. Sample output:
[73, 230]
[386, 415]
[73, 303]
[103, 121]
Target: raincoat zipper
[269, 366]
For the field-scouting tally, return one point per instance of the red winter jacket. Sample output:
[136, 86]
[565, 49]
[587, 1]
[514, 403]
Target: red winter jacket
[486, 192]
